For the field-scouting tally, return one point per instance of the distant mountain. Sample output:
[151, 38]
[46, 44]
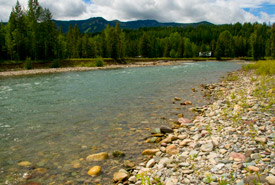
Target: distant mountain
[97, 24]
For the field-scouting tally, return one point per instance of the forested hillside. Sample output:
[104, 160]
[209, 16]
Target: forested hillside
[32, 34]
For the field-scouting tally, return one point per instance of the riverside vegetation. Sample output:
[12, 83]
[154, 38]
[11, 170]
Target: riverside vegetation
[31, 34]
[230, 142]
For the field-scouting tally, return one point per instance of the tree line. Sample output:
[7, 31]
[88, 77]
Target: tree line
[32, 34]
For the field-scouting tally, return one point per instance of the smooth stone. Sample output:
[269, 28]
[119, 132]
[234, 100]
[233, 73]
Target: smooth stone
[271, 180]
[97, 157]
[156, 131]
[172, 150]
[187, 171]
[177, 99]
[207, 147]
[181, 137]
[41, 170]
[222, 151]
[129, 164]
[185, 142]
[272, 171]
[171, 181]
[255, 156]
[184, 120]
[117, 153]
[24, 164]
[253, 168]
[237, 156]
[133, 179]
[241, 182]
[119, 176]
[150, 163]
[150, 151]
[165, 129]
[251, 179]
[248, 164]
[261, 139]
[96, 170]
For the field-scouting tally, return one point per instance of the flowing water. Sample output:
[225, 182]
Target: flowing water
[54, 121]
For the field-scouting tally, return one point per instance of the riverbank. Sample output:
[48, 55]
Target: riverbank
[70, 69]
[231, 141]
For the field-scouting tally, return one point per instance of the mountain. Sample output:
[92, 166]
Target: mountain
[97, 24]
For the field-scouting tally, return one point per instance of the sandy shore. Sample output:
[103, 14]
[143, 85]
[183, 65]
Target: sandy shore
[70, 69]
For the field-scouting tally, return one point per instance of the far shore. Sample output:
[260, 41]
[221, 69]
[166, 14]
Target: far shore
[21, 72]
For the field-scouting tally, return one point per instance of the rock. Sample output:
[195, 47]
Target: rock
[255, 156]
[185, 142]
[25, 164]
[253, 168]
[186, 103]
[187, 171]
[118, 153]
[120, 176]
[222, 151]
[97, 157]
[133, 179]
[207, 147]
[272, 120]
[150, 151]
[254, 179]
[129, 164]
[177, 99]
[260, 139]
[272, 171]
[215, 140]
[172, 150]
[181, 137]
[184, 120]
[150, 163]
[41, 170]
[271, 180]
[76, 164]
[96, 170]
[32, 183]
[171, 181]
[165, 129]
[237, 156]
[156, 131]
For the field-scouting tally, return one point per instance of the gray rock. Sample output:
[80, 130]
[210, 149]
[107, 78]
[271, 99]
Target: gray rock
[165, 129]
[208, 147]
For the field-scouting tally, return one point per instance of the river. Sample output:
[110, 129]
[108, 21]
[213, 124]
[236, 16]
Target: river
[55, 120]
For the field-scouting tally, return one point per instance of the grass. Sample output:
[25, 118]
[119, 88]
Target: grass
[263, 67]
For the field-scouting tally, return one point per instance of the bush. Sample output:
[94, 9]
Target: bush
[99, 62]
[55, 64]
[28, 63]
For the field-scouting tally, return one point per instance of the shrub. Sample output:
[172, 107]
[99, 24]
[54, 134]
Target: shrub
[55, 64]
[99, 62]
[28, 63]
[262, 67]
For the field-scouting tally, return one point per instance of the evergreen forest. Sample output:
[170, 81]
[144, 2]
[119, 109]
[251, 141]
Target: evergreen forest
[31, 34]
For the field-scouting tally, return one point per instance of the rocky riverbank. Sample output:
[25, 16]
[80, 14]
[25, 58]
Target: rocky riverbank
[231, 141]
[70, 69]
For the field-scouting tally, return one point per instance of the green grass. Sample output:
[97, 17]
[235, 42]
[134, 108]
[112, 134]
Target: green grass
[263, 67]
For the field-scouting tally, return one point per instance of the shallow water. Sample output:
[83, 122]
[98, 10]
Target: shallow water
[56, 120]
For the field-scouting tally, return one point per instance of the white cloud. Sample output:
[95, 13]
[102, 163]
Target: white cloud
[215, 11]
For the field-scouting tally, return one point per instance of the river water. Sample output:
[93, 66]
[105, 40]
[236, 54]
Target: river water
[54, 121]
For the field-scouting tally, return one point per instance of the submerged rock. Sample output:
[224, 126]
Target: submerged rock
[97, 157]
[165, 129]
[24, 164]
[117, 153]
[96, 170]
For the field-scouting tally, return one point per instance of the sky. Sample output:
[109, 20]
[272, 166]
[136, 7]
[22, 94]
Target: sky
[182, 11]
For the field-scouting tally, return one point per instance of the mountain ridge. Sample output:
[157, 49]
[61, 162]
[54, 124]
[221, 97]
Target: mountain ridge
[98, 24]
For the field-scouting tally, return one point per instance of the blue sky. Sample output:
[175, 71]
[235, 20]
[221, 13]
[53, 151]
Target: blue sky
[185, 11]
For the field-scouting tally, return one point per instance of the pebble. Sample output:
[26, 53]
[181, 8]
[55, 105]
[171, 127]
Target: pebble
[271, 180]
[25, 164]
[208, 147]
[150, 151]
[172, 149]
[97, 157]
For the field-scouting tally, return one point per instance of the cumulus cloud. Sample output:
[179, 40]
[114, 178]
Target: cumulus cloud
[186, 11]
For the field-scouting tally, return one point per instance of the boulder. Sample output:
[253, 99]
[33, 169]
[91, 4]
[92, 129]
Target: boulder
[97, 157]
[96, 170]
